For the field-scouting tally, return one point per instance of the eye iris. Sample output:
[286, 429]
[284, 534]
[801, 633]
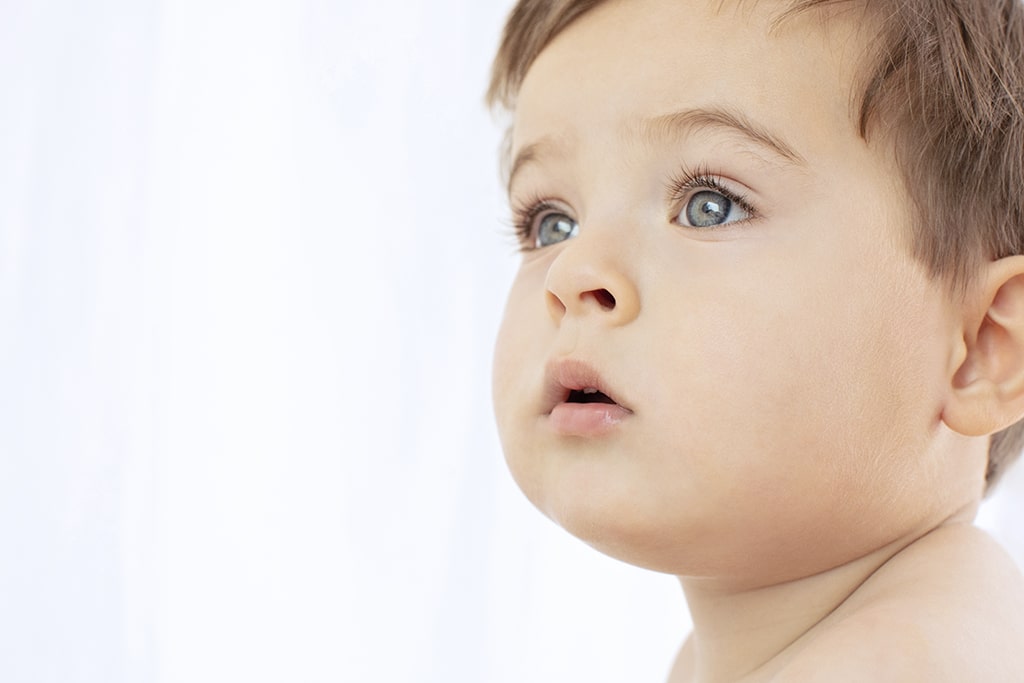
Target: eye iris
[707, 208]
[555, 227]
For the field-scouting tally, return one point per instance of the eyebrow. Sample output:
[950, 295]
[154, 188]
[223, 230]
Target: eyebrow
[683, 123]
[687, 121]
[526, 155]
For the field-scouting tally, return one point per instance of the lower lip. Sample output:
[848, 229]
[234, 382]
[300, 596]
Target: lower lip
[587, 419]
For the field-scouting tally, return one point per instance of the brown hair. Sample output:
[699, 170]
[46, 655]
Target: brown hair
[946, 81]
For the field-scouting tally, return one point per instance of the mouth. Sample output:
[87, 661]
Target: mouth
[579, 402]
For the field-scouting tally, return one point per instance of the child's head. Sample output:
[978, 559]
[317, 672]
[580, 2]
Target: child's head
[752, 228]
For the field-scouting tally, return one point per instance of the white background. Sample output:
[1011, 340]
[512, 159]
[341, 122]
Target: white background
[252, 261]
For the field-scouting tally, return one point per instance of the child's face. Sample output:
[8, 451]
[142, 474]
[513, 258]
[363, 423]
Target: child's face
[780, 369]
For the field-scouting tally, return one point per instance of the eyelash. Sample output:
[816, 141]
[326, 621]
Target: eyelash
[524, 215]
[679, 188]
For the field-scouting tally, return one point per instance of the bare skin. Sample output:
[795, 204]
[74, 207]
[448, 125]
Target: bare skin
[791, 414]
[888, 617]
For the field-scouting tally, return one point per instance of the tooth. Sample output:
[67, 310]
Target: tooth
[589, 390]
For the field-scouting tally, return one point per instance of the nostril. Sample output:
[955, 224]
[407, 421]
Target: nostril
[604, 299]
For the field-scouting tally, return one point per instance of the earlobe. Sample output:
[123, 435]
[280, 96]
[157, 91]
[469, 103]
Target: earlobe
[987, 388]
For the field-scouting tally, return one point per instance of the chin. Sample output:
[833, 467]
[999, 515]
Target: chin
[694, 542]
[620, 528]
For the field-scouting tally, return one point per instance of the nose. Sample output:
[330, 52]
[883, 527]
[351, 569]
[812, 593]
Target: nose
[587, 278]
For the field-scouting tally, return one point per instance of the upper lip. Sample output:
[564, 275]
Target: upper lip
[563, 376]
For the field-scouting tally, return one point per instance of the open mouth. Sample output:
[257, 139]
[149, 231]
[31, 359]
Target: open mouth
[578, 403]
[588, 395]
[575, 388]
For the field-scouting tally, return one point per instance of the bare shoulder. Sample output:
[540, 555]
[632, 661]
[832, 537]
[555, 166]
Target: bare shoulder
[950, 607]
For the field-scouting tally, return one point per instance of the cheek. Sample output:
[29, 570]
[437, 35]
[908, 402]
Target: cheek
[833, 373]
[508, 363]
[517, 373]
[786, 399]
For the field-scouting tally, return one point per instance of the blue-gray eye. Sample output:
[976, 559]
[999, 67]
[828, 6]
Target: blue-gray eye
[554, 228]
[707, 208]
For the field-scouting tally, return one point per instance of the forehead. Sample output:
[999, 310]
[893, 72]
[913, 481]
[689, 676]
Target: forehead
[627, 61]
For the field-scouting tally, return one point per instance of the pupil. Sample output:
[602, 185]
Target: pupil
[707, 209]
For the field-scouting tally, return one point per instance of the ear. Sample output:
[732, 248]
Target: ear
[987, 392]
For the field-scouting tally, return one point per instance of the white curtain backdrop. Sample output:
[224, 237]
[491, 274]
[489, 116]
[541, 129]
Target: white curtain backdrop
[252, 261]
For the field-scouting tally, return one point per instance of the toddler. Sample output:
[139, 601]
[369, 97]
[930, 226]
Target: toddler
[767, 334]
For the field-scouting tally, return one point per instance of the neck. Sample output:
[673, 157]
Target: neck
[740, 632]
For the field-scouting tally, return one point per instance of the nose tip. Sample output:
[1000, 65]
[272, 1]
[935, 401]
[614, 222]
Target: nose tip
[580, 284]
